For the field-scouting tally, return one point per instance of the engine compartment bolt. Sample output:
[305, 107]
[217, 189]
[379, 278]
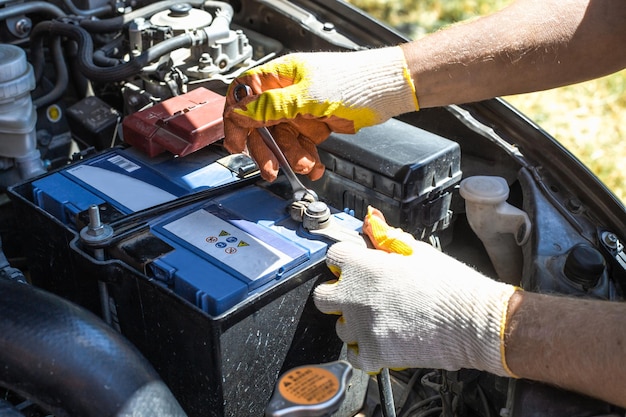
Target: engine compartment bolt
[23, 26]
[574, 205]
[95, 231]
[610, 240]
[95, 227]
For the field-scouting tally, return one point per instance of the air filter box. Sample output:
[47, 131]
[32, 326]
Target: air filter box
[406, 172]
[204, 271]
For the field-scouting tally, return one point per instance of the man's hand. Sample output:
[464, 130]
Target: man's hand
[303, 97]
[423, 310]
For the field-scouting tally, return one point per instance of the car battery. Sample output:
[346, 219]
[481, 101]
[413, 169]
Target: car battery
[406, 172]
[199, 264]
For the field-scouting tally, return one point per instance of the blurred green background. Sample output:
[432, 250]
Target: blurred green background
[587, 118]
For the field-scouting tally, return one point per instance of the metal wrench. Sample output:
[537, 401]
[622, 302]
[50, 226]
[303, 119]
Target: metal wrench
[300, 192]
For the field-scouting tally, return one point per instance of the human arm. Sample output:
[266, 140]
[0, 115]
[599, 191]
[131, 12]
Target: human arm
[530, 45]
[427, 310]
[577, 344]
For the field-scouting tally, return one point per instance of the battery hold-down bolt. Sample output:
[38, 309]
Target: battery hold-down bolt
[95, 232]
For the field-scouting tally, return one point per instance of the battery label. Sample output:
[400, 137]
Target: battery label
[128, 191]
[123, 163]
[240, 251]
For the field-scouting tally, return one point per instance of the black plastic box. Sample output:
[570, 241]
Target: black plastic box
[93, 122]
[406, 172]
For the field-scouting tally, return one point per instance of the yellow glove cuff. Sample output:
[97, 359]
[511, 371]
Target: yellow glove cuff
[503, 324]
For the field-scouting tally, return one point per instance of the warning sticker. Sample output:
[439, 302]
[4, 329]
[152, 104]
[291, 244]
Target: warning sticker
[241, 251]
[308, 385]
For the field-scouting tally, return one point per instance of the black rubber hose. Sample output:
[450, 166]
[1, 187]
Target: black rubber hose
[66, 359]
[101, 55]
[69, 4]
[31, 7]
[85, 51]
[119, 22]
[62, 77]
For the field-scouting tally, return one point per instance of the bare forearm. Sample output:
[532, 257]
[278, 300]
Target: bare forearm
[576, 344]
[531, 45]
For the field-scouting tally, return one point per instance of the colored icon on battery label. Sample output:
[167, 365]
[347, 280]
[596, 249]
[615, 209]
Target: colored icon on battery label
[229, 244]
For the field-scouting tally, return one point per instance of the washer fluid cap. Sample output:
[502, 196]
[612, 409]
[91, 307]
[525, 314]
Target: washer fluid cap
[16, 74]
[181, 17]
[484, 189]
[584, 265]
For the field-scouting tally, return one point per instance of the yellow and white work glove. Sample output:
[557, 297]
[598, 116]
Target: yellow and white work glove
[303, 97]
[421, 310]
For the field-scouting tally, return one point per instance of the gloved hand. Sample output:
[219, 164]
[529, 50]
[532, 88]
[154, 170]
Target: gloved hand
[424, 310]
[306, 96]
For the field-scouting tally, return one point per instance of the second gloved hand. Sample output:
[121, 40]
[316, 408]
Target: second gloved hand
[425, 310]
[303, 97]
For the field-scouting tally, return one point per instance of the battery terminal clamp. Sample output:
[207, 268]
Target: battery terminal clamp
[310, 390]
[305, 206]
[317, 220]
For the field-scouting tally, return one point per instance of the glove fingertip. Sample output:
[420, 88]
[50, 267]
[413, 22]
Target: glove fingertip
[235, 137]
[265, 159]
[385, 237]
[323, 298]
[317, 171]
[357, 361]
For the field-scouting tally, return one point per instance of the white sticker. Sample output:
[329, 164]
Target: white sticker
[237, 249]
[123, 163]
[128, 191]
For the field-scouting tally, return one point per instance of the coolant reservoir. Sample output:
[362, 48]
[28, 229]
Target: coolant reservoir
[501, 227]
[17, 112]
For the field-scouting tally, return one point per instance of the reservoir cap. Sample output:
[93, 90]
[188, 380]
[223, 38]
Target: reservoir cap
[16, 74]
[310, 390]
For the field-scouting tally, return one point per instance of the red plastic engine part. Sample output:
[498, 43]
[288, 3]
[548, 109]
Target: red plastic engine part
[180, 125]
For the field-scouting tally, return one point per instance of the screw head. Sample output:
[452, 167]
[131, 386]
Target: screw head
[610, 239]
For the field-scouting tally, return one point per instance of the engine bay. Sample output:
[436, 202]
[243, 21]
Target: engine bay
[120, 198]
